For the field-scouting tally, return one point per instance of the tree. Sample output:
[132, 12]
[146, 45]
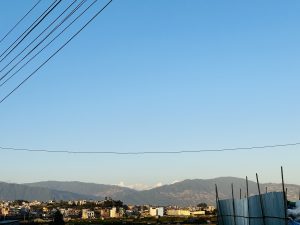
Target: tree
[202, 205]
[58, 218]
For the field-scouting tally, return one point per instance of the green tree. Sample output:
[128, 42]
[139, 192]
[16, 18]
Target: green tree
[202, 205]
[58, 218]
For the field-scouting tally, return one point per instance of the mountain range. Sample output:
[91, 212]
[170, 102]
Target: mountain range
[184, 193]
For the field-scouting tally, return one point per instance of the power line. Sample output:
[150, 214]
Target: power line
[30, 29]
[34, 41]
[70, 39]
[19, 21]
[53, 30]
[153, 152]
[41, 50]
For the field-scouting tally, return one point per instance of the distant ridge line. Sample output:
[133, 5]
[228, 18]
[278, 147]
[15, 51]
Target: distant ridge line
[183, 193]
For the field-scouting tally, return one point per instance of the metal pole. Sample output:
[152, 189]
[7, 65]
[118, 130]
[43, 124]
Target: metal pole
[266, 189]
[247, 192]
[284, 197]
[240, 193]
[261, 201]
[218, 205]
[233, 205]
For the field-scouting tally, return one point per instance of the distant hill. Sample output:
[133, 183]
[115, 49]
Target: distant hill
[184, 193]
[191, 192]
[19, 191]
[99, 191]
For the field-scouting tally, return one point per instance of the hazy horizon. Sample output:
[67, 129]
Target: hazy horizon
[141, 186]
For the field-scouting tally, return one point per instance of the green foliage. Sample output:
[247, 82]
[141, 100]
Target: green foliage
[108, 203]
[58, 218]
[202, 205]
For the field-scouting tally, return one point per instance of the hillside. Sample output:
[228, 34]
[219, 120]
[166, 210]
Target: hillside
[191, 192]
[18, 191]
[97, 190]
[184, 193]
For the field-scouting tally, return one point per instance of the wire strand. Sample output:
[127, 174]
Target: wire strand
[20, 21]
[64, 45]
[152, 152]
[30, 29]
[74, 1]
[40, 42]
[41, 50]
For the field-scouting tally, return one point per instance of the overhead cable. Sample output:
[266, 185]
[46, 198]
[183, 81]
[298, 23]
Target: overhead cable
[47, 45]
[19, 40]
[19, 21]
[26, 79]
[40, 42]
[17, 55]
[154, 152]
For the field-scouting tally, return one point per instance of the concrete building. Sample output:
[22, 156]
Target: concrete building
[104, 213]
[4, 211]
[113, 212]
[198, 213]
[158, 211]
[88, 214]
[210, 208]
[152, 211]
[178, 212]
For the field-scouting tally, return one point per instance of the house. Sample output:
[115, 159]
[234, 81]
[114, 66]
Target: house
[156, 211]
[88, 214]
[178, 212]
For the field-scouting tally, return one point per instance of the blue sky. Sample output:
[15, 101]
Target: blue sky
[160, 76]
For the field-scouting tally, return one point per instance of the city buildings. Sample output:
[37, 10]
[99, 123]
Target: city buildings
[89, 210]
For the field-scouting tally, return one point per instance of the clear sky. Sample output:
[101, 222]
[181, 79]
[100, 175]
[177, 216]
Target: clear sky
[157, 75]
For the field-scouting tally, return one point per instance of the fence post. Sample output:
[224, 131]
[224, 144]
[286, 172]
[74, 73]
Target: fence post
[261, 201]
[284, 197]
[218, 206]
[240, 193]
[247, 192]
[233, 205]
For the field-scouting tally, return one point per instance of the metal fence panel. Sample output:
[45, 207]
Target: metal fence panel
[273, 210]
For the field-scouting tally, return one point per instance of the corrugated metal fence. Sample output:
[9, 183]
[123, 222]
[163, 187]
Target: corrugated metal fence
[265, 209]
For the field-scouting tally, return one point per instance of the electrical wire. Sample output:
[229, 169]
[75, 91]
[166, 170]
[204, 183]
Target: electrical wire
[74, 1]
[30, 29]
[26, 79]
[53, 30]
[19, 21]
[4, 82]
[153, 152]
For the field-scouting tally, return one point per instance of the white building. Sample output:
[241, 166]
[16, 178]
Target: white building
[159, 211]
[113, 212]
